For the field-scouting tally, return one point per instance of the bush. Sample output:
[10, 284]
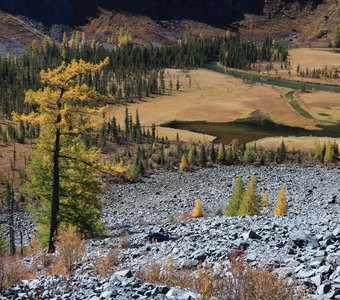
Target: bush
[11, 271]
[104, 265]
[125, 240]
[243, 283]
[166, 274]
[70, 249]
[240, 283]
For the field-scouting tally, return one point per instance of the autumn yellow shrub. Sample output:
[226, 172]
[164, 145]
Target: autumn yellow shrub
[198, 209]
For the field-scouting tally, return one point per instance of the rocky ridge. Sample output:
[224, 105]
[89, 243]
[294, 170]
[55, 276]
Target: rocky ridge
[305, 244]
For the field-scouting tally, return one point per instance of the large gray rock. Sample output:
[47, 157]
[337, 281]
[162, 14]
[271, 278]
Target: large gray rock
[179, 294]
[302, 239]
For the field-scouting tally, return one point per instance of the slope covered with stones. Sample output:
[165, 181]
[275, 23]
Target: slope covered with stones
[304, 245]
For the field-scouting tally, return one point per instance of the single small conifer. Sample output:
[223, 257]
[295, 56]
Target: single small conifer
[265, 199]
[198, 209]
[235, 200]
[251, 202]
[212, 153]
[171, 217]
[281, 207]
[203, 156]
[191, 156]
[329, 153]
[3, 243]
[221, 153]
[183, 165]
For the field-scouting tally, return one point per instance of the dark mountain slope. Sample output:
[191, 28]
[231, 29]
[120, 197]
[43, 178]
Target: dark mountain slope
[301, 22]
[213, 12]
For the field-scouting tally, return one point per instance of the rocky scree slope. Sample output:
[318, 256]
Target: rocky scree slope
[305, 244]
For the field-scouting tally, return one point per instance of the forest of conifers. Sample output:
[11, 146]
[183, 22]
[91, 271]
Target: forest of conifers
[133, 72]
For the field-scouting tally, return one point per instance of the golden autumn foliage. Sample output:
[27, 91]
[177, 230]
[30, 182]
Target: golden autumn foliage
[281, 207]
[265, 199]
[63, 109]
[183, 165]
[124, 37]
[65, 97]
[198, 209]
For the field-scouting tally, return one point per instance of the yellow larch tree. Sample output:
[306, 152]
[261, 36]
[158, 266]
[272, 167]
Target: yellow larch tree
[281, 207]
[198, 209]
[63, 108]
[183, 165]
[265, 199]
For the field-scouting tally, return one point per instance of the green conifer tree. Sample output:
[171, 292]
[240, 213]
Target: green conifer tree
[3, 243]
[79, 204]
[221, 153]
[251, 201]
[212, 153]
[265, 199]
[203, 156]
[329, 153]
[191, 158]
[235, 200]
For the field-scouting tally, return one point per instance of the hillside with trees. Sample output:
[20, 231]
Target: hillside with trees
[240, 202]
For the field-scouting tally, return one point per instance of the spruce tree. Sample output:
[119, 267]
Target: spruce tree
[235, 200]
[212, 153]
[248, 155]
[232, 154]
[251, 201]
[221, 153]
[203, 157]
[336, 37]
[133, 171]
[191, 158]
[3, 243]
[281, 207]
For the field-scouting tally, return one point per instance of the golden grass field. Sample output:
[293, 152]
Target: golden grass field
[295, 143]
[212, 97]
[23, 153]
[322, 105]
[308, 58]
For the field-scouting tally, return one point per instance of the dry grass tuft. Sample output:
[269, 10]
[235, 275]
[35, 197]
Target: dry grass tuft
[167, 274]
[105, 265]
[12, 271]
[125, 240]
[240, 283]
[70, 250]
